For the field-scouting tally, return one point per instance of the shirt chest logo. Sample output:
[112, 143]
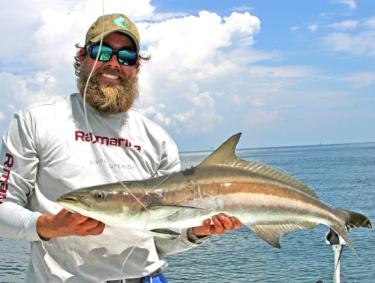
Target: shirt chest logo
[109, 141]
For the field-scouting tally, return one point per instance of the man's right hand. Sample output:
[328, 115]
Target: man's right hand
[66, 223]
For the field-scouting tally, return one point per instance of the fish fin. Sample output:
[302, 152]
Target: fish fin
[225, 155]
[164, 233]
[172, 212]
[272, 233]
[274, 174]
[354, 219]
[173, 206]
[342, 231]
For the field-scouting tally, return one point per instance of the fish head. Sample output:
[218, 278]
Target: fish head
[96, 203]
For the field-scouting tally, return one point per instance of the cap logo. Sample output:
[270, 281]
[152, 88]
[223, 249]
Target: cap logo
[120, 22]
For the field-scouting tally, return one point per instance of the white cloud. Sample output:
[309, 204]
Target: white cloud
[261, 118]
[49, 31]
[196, 63]
[312, 28]
[242, 8]
[294, 28]
[361, 79]
[258, 102]
[189, 55]
[25, 91]
[157, 114]
[2, 116]
[237, 99]
[370, 23]
[354, 36]
[345, 25]
[201, 117]
[349, 3]
[359, 44]
[159, 17]
[280, 72]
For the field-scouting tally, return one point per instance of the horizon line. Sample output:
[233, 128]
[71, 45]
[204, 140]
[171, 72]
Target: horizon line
[278, 146]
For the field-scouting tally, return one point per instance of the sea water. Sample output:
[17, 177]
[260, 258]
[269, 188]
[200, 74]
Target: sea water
[342, 176]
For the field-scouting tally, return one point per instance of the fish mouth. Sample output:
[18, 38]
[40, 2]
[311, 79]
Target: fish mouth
[73, 200]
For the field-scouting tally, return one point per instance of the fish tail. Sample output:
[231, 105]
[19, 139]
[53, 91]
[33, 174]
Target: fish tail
[354, 219]
[351, 219]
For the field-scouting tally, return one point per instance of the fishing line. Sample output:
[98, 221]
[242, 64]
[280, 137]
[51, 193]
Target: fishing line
[339, 258]
[89, 129]
[113, 176]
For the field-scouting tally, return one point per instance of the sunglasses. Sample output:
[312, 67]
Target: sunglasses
[124, 56]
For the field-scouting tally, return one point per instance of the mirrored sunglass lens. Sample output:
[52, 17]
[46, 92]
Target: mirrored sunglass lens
[127, 57]
[105, 52]
[105, 55]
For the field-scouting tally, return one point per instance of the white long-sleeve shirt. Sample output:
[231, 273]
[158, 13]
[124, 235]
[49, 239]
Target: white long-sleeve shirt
[48, 151]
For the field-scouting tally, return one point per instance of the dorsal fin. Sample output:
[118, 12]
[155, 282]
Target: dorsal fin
[224, 154]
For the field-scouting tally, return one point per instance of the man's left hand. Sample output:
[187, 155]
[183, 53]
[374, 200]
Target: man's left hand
[217, 225]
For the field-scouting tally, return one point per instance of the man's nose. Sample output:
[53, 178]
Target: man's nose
[113, 62]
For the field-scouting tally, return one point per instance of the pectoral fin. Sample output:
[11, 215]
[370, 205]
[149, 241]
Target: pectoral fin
[171, 212]
[165, 233]
[173, 206]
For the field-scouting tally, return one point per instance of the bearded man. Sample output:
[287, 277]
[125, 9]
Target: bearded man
[90, 138]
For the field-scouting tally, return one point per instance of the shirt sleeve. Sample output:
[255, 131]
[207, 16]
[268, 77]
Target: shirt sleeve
[170, 163]
[18, 165]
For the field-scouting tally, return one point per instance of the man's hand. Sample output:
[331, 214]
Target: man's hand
[66, 223]
[220, 224]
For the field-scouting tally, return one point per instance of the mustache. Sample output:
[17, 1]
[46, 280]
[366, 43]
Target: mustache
[108, 97]
[110, 71]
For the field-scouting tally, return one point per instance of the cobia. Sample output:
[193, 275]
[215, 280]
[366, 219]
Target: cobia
[268, 201]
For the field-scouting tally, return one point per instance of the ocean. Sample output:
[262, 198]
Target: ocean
[342, 175]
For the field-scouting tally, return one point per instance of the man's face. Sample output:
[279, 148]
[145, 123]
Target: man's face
[113, 87]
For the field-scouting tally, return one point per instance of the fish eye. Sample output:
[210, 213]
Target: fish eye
[99, 195]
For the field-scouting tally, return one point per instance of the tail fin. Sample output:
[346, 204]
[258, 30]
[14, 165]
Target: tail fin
[352, 220]
[355, 220]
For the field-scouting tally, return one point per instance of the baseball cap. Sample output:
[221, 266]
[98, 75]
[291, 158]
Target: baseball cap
[112, 23]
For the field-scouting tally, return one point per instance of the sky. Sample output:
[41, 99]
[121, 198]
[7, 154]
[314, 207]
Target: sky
[283, 73]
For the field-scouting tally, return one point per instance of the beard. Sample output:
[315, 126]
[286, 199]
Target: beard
[109, 98]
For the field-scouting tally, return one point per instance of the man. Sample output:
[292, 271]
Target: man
[66, 144]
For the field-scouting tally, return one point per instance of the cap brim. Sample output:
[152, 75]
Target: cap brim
[98, 37]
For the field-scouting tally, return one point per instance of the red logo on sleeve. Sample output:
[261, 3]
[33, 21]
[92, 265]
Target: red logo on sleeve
[7, 168]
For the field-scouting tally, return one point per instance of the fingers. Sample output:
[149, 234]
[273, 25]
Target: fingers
[98, 229]
[77, 224]
[218, 227]
[79, 218]
[220, 224]
[85, 226]
[236, 223]
[226, 222]
[203, 230]
[89, 227]
[62, 214]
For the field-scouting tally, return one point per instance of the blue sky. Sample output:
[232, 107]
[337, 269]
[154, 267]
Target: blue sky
[281, 72]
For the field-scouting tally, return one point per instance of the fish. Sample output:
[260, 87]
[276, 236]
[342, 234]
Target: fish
[265, 199]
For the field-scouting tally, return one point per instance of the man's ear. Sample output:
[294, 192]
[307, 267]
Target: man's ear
[81, 54]
[138, 66]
